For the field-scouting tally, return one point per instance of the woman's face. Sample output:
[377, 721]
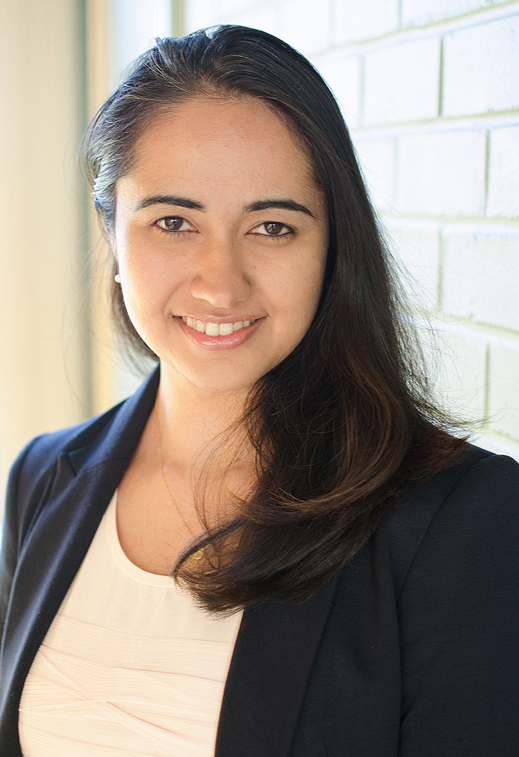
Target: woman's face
[221, 240]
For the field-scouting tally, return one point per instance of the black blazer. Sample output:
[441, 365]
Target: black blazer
[412, 650]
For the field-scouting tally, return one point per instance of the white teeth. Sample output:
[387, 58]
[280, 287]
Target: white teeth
[212, 329]
[225, 329]
[215, 329]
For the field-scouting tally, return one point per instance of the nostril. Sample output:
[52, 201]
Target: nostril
[221, 290]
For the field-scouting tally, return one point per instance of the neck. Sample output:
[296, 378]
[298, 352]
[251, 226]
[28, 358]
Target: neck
[193, 422]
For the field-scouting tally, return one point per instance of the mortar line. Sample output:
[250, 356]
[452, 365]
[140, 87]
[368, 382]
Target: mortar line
[440, 78]
[441, 26]
[487, 172]
[473, 121]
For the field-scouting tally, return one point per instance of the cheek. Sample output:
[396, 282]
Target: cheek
[144, 293]
[148, 276]
[298, 294]
[308, 283]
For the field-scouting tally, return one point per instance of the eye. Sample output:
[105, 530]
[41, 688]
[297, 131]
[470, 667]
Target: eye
[174, 223]
[272, 229]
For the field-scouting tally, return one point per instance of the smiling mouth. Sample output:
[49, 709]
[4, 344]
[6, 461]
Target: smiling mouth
[215, 329]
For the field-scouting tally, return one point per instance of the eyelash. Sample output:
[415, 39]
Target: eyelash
[277, 237]
[289, 232]
[172, 231]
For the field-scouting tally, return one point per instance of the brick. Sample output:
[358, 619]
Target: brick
[377, 161]
[503, 182]
[456, 366]
[481, 278]
[418, 12]
[359, 21]
[481, 68]
[442, 173]
[402, 82]
[417, 255]
[266, 17]
[306, 25]
[342, 74]
[504, 390]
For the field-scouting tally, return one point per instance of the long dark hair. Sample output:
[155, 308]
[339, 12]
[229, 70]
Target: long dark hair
[345, 422]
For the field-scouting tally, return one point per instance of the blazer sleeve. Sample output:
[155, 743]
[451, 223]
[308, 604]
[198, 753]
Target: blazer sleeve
[29, 480]
[459, 622]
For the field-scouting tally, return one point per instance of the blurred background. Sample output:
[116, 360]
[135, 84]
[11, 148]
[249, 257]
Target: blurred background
[430, 91]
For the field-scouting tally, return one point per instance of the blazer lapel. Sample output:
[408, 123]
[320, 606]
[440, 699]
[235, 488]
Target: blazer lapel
[269, 672]
[63, 528]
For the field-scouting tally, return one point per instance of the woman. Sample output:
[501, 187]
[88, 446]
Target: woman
[349, 569]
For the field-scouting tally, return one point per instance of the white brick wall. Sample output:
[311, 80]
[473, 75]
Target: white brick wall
[504, 389]
[378, 160]
[481, 279]
[378, 17]
[456, 362]
[307, 24]
[421, 12]
[481, 68]
[441, 173]
[344, 75]
[419, 262]
[430, 90]
[402, 82]
[503, 180]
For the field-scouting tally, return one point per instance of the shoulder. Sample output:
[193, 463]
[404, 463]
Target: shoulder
[483, 485]
[479, 514]
[114, 434]
[33, 472]
[42, 452]
[39, 457]
[473, 505]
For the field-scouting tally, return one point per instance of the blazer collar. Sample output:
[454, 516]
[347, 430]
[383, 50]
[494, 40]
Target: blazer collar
[101, 441]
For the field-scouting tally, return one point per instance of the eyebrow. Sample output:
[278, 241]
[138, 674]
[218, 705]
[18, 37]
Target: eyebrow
[283, 204]
[184, 202]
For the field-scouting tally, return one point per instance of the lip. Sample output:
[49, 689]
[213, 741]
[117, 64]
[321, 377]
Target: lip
[224, 342]
[219, 318]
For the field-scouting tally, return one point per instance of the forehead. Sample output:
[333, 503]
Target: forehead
[220, 140]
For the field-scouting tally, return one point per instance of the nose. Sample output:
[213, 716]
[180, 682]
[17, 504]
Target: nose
[220, 278]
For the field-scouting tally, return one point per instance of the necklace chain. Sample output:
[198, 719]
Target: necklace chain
[197, 555]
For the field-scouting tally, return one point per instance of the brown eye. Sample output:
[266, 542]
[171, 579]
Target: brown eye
[171, 223]
[273, 228]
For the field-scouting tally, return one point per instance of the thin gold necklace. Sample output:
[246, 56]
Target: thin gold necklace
[197, 555]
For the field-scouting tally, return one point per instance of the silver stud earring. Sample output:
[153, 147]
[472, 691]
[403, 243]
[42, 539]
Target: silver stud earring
[117, 278]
